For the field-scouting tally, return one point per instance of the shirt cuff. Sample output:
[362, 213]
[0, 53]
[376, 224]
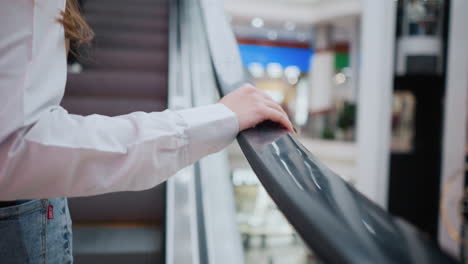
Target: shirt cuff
[210, 128]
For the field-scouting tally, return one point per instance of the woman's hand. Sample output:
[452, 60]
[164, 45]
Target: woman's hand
[253, 106]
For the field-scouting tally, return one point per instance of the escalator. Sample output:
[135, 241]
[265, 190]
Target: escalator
[124, 71]
[153, 54]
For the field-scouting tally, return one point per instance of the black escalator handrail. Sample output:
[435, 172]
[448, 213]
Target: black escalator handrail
[337, 222]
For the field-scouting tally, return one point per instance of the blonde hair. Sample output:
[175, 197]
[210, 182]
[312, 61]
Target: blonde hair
[75, 26]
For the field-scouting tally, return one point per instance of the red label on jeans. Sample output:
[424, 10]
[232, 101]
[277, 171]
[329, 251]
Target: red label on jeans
[50, 212]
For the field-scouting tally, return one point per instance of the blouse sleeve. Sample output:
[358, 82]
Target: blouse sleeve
[70, 155]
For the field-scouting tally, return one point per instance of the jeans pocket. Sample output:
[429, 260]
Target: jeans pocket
[23, 232]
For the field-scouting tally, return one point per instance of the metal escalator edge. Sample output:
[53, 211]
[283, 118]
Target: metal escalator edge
[181, 245]
[200, 214]
[221, 234]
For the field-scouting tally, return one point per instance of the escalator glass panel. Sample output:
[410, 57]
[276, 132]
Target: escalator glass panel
[267, 236]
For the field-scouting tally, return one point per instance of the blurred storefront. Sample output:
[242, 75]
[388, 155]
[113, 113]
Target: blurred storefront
[312, 72]
[367, 99]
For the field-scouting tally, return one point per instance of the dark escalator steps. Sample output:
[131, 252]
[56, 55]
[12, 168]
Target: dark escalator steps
[163, 4]
[121, 207]
[131, 40]
[148, 25]
[129, 2]
[127, 59]
[128, 11]
[125, 71]
[125, 84]
[86, 105]
[117, 245]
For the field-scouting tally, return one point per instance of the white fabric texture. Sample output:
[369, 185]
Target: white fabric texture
[47, 152]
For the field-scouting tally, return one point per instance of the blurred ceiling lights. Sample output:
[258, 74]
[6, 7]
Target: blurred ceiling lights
[292, 74]
[302, 37]
[274, 70]
[289, 20]
[295, 11]
[259, 28]
[257, 22]
[340, 78]
[272, 35]
[256, 70]
[289, 25]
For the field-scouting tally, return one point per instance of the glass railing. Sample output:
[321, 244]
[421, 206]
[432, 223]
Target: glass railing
[333, 219]
[200, 216]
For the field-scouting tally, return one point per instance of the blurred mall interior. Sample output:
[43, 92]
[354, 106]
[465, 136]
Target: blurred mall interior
[377, 90]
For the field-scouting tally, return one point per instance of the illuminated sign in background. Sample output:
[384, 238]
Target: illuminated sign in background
[283, 55]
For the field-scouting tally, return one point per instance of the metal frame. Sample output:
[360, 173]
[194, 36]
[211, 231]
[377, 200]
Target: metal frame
[455, 130]
[181, 216]
[201, 223]
[221, 232]
[375, 99]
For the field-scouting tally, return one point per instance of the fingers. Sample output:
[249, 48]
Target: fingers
[276, 106]
[265, 95]
[262, 103]
[278, 116]
[282, 119]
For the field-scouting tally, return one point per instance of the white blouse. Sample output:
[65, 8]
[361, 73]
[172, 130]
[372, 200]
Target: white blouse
[47, 152]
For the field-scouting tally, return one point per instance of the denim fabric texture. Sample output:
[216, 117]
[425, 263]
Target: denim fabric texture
[36, 231]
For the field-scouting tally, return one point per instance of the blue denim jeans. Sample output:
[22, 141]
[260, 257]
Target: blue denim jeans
[36, 231]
